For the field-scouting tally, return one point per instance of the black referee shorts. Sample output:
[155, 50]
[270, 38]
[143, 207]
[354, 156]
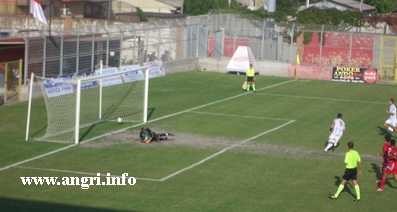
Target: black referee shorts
[350, 174]
[250, 79]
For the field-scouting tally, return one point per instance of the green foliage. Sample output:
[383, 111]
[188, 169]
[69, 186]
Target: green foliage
[284, 8]
[382, 6]
[386, 6]
[343, 20]
[296, 35]
[194, 7]
[141, 15]
[307, 37]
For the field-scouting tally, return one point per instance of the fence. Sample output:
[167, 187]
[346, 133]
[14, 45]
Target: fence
[80, 48]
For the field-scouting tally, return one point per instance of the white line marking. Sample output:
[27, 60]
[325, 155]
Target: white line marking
[319, 98]
[171, 175]
[37, 157]
[122, 130]
[222, 151]
[251, 117]
[82, 173]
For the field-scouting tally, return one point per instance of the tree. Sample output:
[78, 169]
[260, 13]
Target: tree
[316, 16]
[382, 6]
[284, 8]
[201, 7]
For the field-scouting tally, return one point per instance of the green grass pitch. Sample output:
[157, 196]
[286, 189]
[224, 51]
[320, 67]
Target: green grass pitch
[233, 151]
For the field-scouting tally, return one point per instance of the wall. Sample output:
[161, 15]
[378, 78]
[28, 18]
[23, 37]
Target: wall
[305, 71]
[11, 53]
[150, 5]
[266, 67]
[336, 49]
[14, 23]
[184, 65]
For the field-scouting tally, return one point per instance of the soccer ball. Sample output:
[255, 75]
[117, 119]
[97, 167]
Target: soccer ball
[119, 120]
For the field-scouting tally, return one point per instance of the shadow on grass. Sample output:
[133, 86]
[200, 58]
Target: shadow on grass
[348, 186]
[150, 112]
[8, 204]
[39, 131]
[376, 170]
[383, 131]
[86, 132]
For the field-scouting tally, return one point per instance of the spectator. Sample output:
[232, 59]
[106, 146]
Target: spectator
[152, 57]
[165, 56]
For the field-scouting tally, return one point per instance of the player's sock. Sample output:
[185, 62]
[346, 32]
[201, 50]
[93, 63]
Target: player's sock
[382, 183]
[253, 87]
[340, 189]
[357, 188]
[329, 146]
[390, 129]
[248, 87]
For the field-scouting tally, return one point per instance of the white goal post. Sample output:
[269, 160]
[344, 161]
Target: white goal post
[76, 102]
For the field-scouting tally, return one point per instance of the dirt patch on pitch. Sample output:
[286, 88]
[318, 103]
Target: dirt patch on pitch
[130, 139]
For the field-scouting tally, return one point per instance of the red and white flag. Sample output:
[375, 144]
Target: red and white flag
[37, 11]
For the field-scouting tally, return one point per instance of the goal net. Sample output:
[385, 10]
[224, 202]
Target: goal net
[78, 101]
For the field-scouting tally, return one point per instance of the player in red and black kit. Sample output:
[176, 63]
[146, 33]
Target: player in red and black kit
[385, 152]
[391, 167]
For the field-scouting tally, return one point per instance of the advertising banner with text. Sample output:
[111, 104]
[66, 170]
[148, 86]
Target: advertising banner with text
[355, 75]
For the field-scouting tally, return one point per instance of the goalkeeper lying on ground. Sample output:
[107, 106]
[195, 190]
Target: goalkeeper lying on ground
[147, 135]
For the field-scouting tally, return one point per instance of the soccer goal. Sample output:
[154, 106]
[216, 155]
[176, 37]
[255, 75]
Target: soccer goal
[79, 101]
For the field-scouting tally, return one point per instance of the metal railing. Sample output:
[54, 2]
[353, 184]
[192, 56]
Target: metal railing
[80, 48]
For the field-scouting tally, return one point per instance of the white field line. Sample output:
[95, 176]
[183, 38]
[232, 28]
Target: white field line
[182, 170]
[122, 130]
[224, 150]
[37, 157]
[320, 98]
[82, 173]
[239, 116]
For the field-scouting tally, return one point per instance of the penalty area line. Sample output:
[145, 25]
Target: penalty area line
[122, 130]
[224, 150]
[320, 98]
[240, 116]
[82, 173]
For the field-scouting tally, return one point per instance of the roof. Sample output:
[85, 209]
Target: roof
[354, 4]
[342, 5]
[157, 15]
[173, 3]
[11, 40]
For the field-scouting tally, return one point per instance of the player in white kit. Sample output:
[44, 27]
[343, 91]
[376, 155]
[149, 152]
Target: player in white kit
[336, 131]
[392, 119]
